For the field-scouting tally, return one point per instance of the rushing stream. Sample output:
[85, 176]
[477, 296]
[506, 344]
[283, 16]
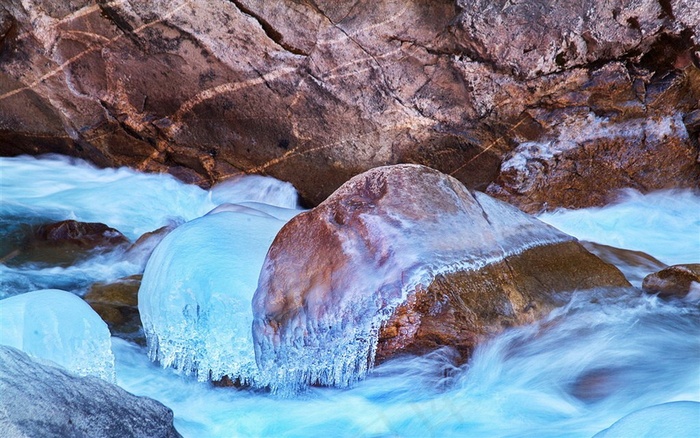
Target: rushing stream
[581, 369]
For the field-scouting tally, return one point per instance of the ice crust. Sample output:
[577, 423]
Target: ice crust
[332, 340]
[195, 296]
[56, 325]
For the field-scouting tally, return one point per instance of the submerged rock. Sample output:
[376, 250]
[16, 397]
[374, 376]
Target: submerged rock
[40, 400]
[635, 265]
[63, 243]
[674, 281]
[117, 305]
[404, 259]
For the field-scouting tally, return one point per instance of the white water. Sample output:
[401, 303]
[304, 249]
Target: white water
[576, 373]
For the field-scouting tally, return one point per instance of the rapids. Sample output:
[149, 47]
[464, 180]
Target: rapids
[595, 361]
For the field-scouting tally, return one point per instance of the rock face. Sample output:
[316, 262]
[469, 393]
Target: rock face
[674, 281]
[42, 400]
[540, 100]
[404, 259]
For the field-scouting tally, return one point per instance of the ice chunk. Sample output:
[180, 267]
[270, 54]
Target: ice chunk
[195, 297]
[57, 325]
[674, 419]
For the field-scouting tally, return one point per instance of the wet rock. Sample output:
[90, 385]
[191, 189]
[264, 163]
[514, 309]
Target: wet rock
[39, 399]
[404, 259]
[314, 93]
[634, 264]
[62, 243]
[674, 281]
[142, 249]
[117, 305]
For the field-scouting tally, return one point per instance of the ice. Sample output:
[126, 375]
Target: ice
[195, 297]
[56, 325]
[323, 327]
[671, 420]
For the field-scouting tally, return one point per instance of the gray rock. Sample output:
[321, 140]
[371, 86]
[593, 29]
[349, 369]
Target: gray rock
[41, 400]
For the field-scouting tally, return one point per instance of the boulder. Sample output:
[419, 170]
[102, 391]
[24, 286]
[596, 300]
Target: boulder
[674, 281]
[63, 243]
[39, 399]
[117, 305]
[315, 92]
[635, 265]
[404, 259]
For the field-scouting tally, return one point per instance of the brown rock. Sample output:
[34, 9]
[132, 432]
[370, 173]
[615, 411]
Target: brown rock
[117, 305]
[635, 265]
[406, 259]
[674, 281]
[63, 243]
[316, 92]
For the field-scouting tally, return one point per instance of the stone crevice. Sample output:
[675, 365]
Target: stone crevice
[269, 30]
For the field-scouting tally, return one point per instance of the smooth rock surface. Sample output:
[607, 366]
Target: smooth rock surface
[40, 400]
[674, 281]
[316, 92]
[404, 259]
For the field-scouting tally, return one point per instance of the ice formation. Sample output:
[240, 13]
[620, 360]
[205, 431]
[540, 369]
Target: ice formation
[362, 252]
[195, 297]
[57, 325]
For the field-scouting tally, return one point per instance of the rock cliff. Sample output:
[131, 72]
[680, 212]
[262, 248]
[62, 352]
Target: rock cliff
[544, 103]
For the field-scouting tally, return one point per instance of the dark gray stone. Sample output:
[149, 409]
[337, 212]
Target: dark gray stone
[41, 400]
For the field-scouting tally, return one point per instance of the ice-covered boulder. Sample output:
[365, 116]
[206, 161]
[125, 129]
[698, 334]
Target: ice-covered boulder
[405, 259]
[59, 326]
[40, 400]
[195, 295]
[671, 420]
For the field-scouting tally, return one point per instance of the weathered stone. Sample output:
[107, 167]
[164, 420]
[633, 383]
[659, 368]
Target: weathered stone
[314, 93]
[635, 265]
[39, 399]
[117, 305]
[62, 243]
[674, 281]
[404, 259]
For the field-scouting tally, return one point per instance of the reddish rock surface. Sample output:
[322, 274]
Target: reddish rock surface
[62, 243]
[404, 259]
[674, 281]
[316, 92]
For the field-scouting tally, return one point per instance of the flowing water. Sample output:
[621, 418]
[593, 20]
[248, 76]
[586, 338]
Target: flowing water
[575, 373]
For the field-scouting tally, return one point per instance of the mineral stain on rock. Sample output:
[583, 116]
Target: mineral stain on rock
[315, 93]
